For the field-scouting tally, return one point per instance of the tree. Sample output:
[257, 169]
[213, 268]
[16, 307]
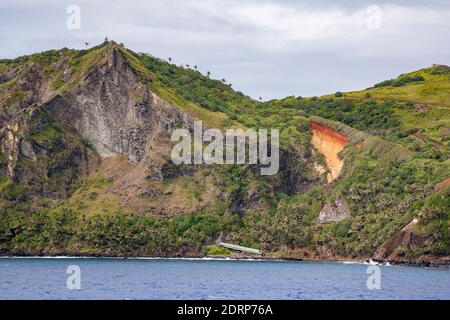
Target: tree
[208, 73]
[106, 39]
[170, 59]
[86, 44]
[195, 67]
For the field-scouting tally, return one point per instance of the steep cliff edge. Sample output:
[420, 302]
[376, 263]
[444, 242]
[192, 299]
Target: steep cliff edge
[119, 115]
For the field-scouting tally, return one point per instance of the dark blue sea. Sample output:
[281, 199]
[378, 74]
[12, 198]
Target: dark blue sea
[109, 278]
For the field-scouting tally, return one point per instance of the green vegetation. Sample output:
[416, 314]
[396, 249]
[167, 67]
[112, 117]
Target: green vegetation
[441, 69]
[190, 84]
[58, 83]
[47, 136]
[63, 230]
[400, 81]
[434, 225]
[368, 115]
[16, 96]
[217, 251]
[434, 90]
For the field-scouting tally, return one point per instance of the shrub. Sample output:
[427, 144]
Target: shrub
[400, 81]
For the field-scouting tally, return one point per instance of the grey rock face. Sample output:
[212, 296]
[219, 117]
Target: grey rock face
[9, 146]
[7, 75]
[334, 212]
[26, 149]
[120, 116]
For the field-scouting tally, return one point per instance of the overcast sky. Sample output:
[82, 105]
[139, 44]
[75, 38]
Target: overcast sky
[269, 48]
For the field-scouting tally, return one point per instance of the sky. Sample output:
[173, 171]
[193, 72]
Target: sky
[265, 48]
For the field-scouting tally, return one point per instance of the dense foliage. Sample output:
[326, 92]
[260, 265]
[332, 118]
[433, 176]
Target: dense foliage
[400, 81]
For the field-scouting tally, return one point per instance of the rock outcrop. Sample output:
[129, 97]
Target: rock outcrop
[387, 251]
[334, 212]
[9, 146]
[117, 114]
[26, 149]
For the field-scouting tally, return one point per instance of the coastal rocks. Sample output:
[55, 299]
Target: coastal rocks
[427, 262]
[390, 247]
[334, 212]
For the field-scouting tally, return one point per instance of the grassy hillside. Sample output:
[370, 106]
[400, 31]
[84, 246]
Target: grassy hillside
[429, 86]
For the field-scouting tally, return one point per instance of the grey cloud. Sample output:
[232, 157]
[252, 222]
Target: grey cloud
[265, 48]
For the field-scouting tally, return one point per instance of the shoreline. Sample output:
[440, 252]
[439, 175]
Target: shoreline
[441, 264]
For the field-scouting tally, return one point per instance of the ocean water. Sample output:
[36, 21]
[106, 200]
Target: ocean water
[109, 278]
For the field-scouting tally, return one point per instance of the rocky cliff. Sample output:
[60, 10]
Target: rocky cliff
[118, 115]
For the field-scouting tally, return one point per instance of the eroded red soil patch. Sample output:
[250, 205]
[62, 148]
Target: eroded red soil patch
[329, 143]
